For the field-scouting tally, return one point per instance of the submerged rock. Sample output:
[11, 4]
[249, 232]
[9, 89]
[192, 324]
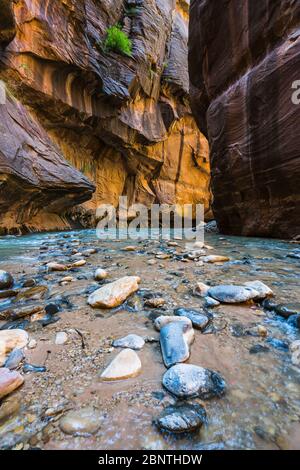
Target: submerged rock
[210, 302]
[258, 348]
[61, 338]
[199, 319]
[100, 274]
[187, 381]
[115, 293]
[215, 259]
[9, 381]
[294, 320]
[33, 368]
[6, 280]
[14, 359]
[174, 344]
[181, 418]
[262, 289]
[81, 422]
[232, 294]
[125, 365]
[33, 293]
[278, 344]
[287, 310]
[130, 341]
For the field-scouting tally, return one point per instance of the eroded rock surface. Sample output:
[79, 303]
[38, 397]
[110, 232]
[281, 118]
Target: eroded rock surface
[243, 60]
[125, 122]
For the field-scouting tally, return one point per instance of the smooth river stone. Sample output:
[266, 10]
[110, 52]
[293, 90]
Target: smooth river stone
[100, 274]
[14, 359]
[188, 332]
[130, 341]
[81, 422]
[6, 280]
[13, 339]
[198, 318]
[181, 418]
[231, 294]
[9, 381]
[125, 365]
[115, 293]
[188, 381]
[215, 259]
[56, 267]
[262, 289]
[173, 343]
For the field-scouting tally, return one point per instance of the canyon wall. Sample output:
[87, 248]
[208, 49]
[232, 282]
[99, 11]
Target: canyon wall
[123, 121]
[244, 57]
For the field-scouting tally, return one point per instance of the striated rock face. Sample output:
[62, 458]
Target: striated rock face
[243, 60]
[125, 122]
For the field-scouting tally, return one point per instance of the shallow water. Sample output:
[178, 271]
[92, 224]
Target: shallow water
[261, 408]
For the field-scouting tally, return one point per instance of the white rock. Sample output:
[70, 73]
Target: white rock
[100, 274]
[56, 267]
[130, 341]
[125, 365]
[262, 289]
[32, 344]
[115, 293]
[215, 259]
[202, 289]
[61, 338]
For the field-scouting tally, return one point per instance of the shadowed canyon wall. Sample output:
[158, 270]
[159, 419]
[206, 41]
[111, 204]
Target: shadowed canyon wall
[243, 59]
[124, 122]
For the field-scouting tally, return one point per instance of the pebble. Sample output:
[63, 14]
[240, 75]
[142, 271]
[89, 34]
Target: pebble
[188, 381]
[125, 365]
[115, 293]
[14, 359]
[174, 343]
[6, 280]
[33, 293]
[9, 381]
[33, 368]
[32, 344]
[81, 422]
[197, 317]
[181, 418]
[156, 302]
[258, 348]
[215, 259]
[56, 267]
[294, 320]
[152, 262]
[78, 263]
[66, 279]
[100, 274]
[131, 341]
[295, 350]
[61, 338]
[202, 289]
[232, 294]
[209, 302]
[262, 289]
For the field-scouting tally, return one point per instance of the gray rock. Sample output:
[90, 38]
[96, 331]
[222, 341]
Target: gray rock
[6, 280]
[81, 422]
[14, 359]
[173, 343]
[130, 341]
[187, 381]
[262, 289]
[199, 319]
[181, 418]
[231, 294]
[209, 302]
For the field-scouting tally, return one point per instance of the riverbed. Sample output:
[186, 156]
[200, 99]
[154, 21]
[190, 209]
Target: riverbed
[261, 407]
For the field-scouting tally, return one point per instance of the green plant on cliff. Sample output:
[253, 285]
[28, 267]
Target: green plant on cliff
[118, 41]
